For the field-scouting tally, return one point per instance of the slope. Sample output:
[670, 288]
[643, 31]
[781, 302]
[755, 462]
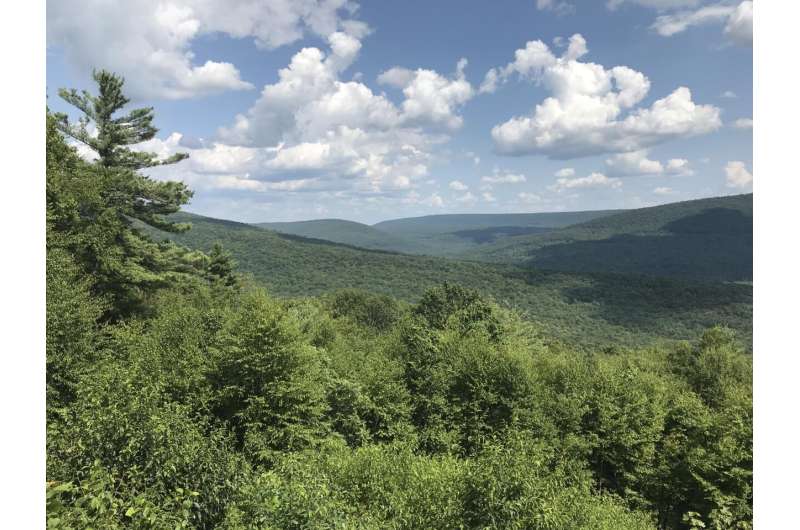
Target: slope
[346, 232]
[705, 239]
[581, 309]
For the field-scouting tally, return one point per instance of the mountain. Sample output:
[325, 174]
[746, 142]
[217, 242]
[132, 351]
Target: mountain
[449, 223]
[433, 235]
[705, 239]
[581, 309]
[346, 232]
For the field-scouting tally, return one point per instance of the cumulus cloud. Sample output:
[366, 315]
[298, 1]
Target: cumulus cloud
[738, 20]
[430, 98]
[488, 197]
[637, 163]
[592, 109]
[594, 180]
[458, 185]
[149, 41]
[565, 172]
[743, 123]
[498, 177]
[737, 175]
[663, 191]
[311, 126]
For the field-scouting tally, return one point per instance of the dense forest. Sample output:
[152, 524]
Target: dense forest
[182, 394]
[581, 309]
[704, 239]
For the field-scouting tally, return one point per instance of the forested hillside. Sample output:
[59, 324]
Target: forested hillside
[182, 394]
[581, 309]
[345, 232]
[445, 224]
[706, 239]
[433, 235]
[453, 235]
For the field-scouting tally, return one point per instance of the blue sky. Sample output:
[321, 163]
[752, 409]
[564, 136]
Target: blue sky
[376, 110]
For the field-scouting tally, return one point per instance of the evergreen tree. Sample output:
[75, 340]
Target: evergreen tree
[100, 208]
[113, 134]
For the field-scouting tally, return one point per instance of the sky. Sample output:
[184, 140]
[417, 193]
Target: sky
[373, 110]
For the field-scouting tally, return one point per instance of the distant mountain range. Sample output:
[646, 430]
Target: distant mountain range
[706, 239]
[433, 235]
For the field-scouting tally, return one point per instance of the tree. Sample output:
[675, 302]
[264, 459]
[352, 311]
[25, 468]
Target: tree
[113, 134]
[221, 266]
[99, 209]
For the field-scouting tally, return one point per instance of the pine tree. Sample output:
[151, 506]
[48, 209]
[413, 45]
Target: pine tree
[113, 134]
[102, 210]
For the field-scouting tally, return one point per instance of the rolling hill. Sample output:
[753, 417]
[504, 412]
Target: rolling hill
[345, 232]
[581, 309]
[449, 223]
[433, 235]
[705, 239]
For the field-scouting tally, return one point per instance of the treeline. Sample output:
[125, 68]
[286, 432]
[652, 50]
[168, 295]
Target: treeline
[181, 396]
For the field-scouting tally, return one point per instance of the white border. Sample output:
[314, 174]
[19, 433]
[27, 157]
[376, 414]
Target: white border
[776, 262]
[22, 378]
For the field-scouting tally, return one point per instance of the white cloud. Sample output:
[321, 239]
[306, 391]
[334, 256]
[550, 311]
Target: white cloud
[565, 172]
[149, 41]
[637, 163]
[592, 109]
[310, 121]
[594, 180]
[633, 164]
[738, 21]
[679, 167]
[467, 198]
[729, 94]
[529, 197]
[663, 191]
[430, 98]
[396, 76]
[737, 175]
[434, 200]
[458, 185]
[498, 177]
[488, 197]
[740, 24]
[743, 123]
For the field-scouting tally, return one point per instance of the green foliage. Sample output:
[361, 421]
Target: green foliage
[585, 310]
[268, 381]
[146, 444]
[526, 485]
[73, 336]
[113, 134]
[372, 310]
